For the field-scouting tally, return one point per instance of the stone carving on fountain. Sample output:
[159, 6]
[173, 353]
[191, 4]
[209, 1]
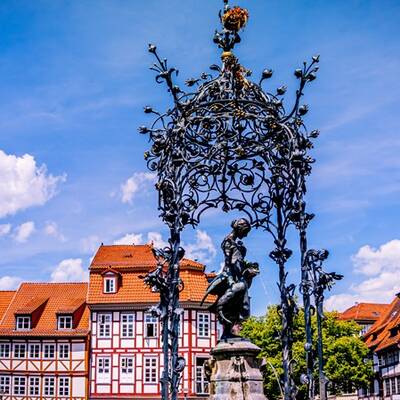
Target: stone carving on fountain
[233, 369]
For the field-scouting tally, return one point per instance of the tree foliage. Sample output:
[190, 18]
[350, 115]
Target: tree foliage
[345, 353]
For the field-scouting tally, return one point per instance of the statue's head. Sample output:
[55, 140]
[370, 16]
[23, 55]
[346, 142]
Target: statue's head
[241, 227]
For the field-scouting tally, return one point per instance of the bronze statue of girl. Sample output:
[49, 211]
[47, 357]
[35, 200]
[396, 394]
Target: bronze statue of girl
[232, 284]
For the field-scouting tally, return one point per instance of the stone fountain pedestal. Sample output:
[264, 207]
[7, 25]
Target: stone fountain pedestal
[234, 371]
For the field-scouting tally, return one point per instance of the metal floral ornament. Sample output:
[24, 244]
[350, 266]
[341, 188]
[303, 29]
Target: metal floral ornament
[229, 143]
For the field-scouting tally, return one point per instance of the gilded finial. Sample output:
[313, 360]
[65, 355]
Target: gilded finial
[234, 19]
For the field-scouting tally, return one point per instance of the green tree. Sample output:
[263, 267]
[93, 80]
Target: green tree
[345, 353]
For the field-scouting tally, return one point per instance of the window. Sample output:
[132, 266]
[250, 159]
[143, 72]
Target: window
[64, 322]
[150, 370]
[387, 387]
[180, 328]
[110, 285]
[364, 329]
[393, 385]
[103, 369]
[398, 384]
[63, 386]
[127, 369]
[380, 360]
[49, 351]
[201, 381]
[150, 328]
[104, 325]
[63, 351]
[5, 384]
[4, 350]
[23, 323]
[127, 322]
[203, 325]
[19, 385]
[34, 386]
[389, 358]
[19, 350]
[34, 350]
[49, 384]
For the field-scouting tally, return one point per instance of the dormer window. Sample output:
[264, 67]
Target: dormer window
[23, 322]
[110, 284]
[112, 280]
[64, 322]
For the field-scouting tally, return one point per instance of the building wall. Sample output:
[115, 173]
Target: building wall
[386, 384]
[141, 349]
[67, 375]
[390, 373]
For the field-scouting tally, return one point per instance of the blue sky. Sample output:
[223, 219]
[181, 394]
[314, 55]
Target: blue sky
[73, 81]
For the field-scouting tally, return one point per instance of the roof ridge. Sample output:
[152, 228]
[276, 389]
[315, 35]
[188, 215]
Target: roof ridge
[54, 283]
[130, 245]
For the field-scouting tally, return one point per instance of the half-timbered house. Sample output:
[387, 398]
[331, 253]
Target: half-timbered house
[44, 339]
[383, 340]
[126, 348]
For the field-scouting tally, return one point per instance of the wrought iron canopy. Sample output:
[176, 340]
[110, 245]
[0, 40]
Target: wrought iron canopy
[227, 142]
[231, 142]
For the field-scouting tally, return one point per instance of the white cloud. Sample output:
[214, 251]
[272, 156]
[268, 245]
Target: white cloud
[9, 282]
[5, 229]
[137, 238]
[23, 232]
[381, 268]
[203, 249]
[370, 261]
[156, 239]
[340, 302]
[51, 229]
[90, 244]
[139, 181]
[69, 270]
[130, 238]
[23, 184]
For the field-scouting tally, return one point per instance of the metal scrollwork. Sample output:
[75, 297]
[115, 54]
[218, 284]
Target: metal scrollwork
[315, 281]
[228, 143]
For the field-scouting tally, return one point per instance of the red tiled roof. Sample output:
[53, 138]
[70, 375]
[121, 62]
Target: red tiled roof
[31, 305]
[364, 312]
[386, 330]
[5, 300]
[131, 256]
[70, 306]
[132, 262]
[58, 295]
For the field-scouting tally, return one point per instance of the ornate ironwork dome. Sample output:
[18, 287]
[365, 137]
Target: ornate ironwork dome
[225, 133]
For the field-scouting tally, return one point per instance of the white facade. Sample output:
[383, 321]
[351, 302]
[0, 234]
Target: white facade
[43, 369]
[126, 352]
